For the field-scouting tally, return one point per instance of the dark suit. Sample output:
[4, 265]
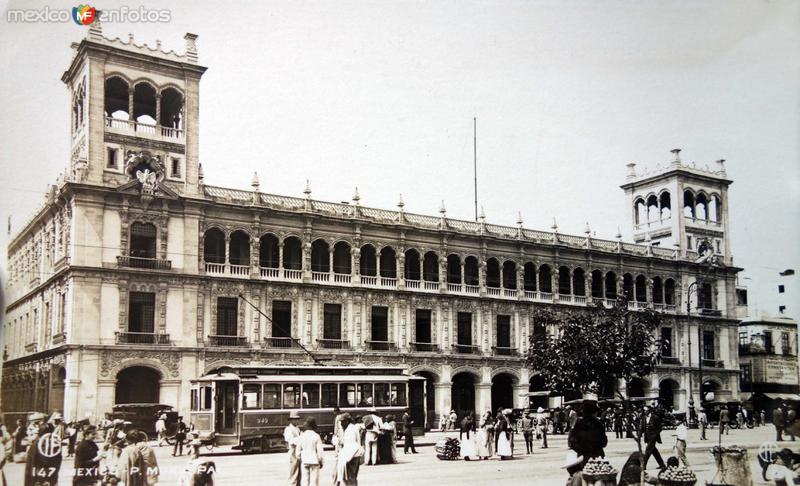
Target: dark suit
[651, 431]
[724, 421]
[588, 438]
[791, 416]
[779, 422]
[408, 436]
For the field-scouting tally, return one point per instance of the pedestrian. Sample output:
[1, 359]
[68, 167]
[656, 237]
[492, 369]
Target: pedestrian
[724, 421]
[702, 420]
[572, 418]
[6, 447]
[782, 471]
[161, 428]
[350, 455]
[40, 465]
[588, 436]
[451, 421]
[372, 425]
[443, 421]
[763, 417]
[541, 425]
[618, 423]
[408, 436]
[291, 434]
[389, 438]
[310, 452]
[87, 459]
[484, 438]
[651, 431]
[18, 436]
[681, 434]
[779, 421]
[504, 436]
[791, 416]
[527, 432]
[561, 421]
[574, 466]
[131, 464]
[466, 437]
[180, 437]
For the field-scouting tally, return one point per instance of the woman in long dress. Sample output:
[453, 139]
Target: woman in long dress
[467, 437]
[503, 431]
[351, 453]
[485, 437]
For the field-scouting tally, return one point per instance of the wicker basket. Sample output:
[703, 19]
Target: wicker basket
[612, 476]
[668, 482]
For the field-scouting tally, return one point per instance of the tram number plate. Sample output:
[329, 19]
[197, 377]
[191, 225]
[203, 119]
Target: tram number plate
[254, 421]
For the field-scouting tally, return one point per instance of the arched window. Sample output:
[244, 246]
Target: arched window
[597, 284]
[652, 208]
[453, 269]
[320, 256]
[144, 104]
[368, 264]
[669, 292]
[666, 205]
[492, 273]
[292, 253]
[641, 288]
[240, 248]
[545, 279]
[342, 261]
[413, 270]
[214, 246]
[714, 209]
[116, 98]
[688, 204]
[143, 240]
[171, 106]
[509, 274]
[658, 291]
[471, 272]
[529, 277]
[430, 267]
[640, 211]
[701, 205]
[564, 284]
[268, 252]
[611, 285]
[578, 282]
[627, 286]
[388, 262]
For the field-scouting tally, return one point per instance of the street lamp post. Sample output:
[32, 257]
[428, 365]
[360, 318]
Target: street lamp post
[692, 414]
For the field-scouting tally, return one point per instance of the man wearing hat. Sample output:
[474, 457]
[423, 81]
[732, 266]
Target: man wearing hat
[702, 419]
[43, 459]
[87, 459]
[527, 432]
[588, 437]
[574, 465]
[372, 425]
[408, 436]
[291, 435]
[541, 425]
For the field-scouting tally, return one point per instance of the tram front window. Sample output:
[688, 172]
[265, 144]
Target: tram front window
[251, 397]
[347, 395]
[272, 396]
[291, 395]
[365, 395]
[381, 394]
[311, 395]
[330, 395]
[398, 395]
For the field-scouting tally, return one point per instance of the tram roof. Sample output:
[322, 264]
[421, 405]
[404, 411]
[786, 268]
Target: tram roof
[239, 372]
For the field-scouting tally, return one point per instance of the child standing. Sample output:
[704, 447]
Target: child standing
[310, 451]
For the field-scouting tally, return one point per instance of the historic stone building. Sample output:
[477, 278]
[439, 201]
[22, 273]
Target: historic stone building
[137, 275]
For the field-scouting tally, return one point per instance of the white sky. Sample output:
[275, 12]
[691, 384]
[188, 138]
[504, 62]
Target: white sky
[381, 95]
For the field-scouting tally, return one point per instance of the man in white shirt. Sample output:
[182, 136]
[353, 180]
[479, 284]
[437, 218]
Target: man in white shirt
[373, 425]
[681, 432]
[291, 434]
[310, 453]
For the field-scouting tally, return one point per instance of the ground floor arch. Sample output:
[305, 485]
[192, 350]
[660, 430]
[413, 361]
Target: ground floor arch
[667, 393]
[137, 384]
[429, 397]
[463, 393]
[503, 391]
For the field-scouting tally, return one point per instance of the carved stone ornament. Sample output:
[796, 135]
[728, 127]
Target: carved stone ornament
[111, 362]
[147, 171]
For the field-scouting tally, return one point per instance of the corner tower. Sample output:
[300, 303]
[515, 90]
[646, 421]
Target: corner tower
[135, 110]
[681, 206]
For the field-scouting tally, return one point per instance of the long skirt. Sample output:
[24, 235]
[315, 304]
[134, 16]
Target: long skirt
[385, 448]
[503, 446]
[468, 449]
[485, 443]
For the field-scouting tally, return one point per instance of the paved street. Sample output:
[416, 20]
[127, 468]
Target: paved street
[541, 468]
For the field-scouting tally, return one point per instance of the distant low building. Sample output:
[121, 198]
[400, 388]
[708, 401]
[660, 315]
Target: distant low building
[768, 360]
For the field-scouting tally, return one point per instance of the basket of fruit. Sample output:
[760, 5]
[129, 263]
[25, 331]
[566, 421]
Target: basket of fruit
[677, 476]
[599, 469]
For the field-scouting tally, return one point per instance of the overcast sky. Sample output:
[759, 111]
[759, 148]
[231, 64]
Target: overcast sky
[381, 95]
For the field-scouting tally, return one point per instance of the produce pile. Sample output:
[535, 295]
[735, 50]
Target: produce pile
[597, 467]
[448, 449]
[677, 475]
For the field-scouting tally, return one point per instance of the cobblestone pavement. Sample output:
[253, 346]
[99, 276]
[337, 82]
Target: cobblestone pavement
[540, 468]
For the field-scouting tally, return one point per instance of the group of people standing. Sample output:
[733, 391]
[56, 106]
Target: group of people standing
[487, 436]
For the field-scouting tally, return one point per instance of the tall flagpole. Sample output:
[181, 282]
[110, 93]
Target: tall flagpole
[475, 161]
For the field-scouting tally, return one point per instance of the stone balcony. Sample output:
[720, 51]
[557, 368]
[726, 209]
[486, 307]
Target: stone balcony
[144, 130]
[142, 338]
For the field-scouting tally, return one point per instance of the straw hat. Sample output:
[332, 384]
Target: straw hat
[294, 415]
[572, 459]
[36, 416]
[539, 410]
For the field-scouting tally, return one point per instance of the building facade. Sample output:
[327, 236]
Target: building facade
[138, 276]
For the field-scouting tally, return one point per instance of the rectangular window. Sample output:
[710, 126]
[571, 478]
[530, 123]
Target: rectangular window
[666, 342]
[708, 345]
[398, 398]
[333, 322]
[768, 341]
[176, 168]
[311, 395]
[465, 328]
[743, 340]
[291, 395]
[251, 396]
[227, 316]
[62, 313]
[272, 396]
[380, 324]
[195, 400]
[347, 395]
[785, 346]
[141, 312]
[503, 331]
[704, 296]
[143, 240]
[111, 158]
[747, 373]
[381, 394]
[365, 395]
[281, 318]
[741, 296]
[330, 395]
[423, 326]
